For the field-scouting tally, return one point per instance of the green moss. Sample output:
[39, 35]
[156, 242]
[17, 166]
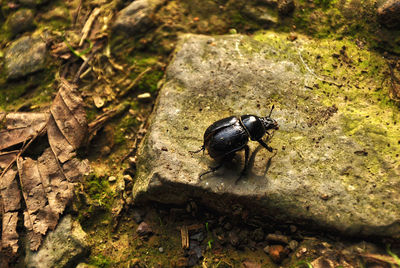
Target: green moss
[124, 126]
[98, 190]
[150, 80]
[100, 261]
[35, 90]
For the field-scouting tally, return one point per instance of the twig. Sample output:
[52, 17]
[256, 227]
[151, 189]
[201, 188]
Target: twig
[185, 237]
[78, 10]
[88, 25]
[82, 68]
[138, 139]
[134, 82]
[99, 122]
[23, 149]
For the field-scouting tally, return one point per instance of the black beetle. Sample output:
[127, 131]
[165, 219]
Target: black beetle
[227, 136]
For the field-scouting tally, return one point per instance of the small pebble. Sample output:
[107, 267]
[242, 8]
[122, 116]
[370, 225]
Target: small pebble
[144, 96]
[277, 253]
[137, 217]
[161, 249]
[127, 178]
[293, 245]
[112, 178]
[278, 238]
[258, 235]
[233, 238]
[144, 229]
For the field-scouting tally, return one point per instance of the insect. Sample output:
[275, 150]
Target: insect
[227, 136]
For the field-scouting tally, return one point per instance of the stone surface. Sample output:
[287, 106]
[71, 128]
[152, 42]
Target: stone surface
[337, 160]
[261, 14]
[389, 13]
[136, 17]
[25, 56]
[63, 247]
[20, 21]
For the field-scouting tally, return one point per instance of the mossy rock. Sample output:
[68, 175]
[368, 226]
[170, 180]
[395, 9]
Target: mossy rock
[336, 165]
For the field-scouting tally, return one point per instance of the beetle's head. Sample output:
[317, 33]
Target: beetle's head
[269, 123]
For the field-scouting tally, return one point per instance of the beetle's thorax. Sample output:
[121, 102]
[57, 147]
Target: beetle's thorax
[253, 126]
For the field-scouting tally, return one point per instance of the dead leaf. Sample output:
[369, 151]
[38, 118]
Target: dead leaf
[47, 183]
[11, 204]
[20, 127]
[7, 158]
[381, 258]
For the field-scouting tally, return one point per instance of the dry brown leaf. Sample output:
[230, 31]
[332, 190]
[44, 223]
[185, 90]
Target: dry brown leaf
[67, 126]
[47, 183]
[11, 199]
[7, 158]
[21, 127]
[39, 216]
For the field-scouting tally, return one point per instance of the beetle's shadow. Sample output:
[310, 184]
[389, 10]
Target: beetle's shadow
[232, 169]
[252, 161]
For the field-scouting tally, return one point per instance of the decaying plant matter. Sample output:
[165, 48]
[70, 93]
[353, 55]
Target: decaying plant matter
[43, 181]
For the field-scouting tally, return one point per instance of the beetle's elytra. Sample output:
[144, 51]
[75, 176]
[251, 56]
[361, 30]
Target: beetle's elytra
[227, 136]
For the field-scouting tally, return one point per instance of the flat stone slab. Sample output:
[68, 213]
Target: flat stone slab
[336, 165]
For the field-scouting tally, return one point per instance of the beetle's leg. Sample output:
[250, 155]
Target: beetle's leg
[198, 151]
[269, 137]
[260, 141]
[212, 169]
[246, 162]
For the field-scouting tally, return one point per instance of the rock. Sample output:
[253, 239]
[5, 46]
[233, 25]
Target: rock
[112, 179]
[57, 13]
[25, 56]
[323, 262]
[293, 244]
[389, 13]
[20, 21]
[137, 216]
[251, 264]
[258, 235]
[144, 229]
[261, 14]
[233, 238]
[85, 265]
[210, 78]
[277, 253]
[285, 7]
[137, 16]
[62, 247]
[144, 97]
[278, 238]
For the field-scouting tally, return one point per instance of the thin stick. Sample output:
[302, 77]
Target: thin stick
[22, 150]
[88, 25]
[134, 82]
[78, 10]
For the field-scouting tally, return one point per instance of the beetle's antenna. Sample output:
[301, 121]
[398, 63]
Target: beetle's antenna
[273, 106]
